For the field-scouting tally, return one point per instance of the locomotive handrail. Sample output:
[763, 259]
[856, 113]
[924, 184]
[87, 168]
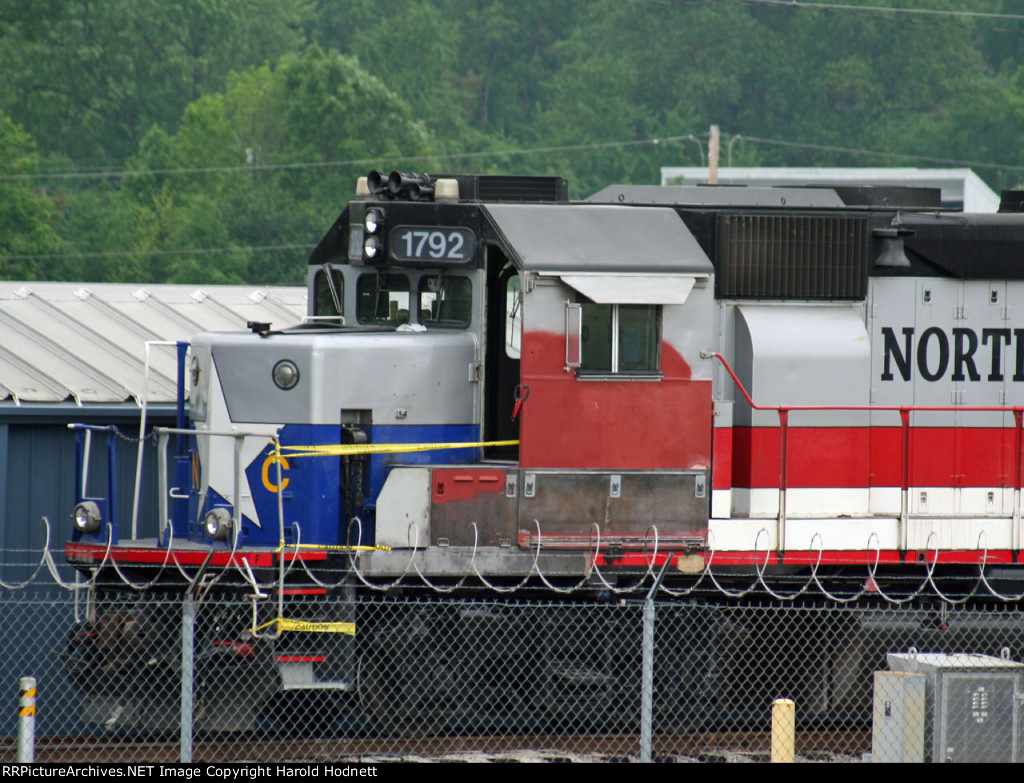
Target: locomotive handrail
[239, 437]
[904, 411]
[756, 406]
[182, 348]
[143, 402]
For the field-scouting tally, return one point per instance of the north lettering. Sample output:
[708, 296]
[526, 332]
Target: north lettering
[942, 342]
[960, 353]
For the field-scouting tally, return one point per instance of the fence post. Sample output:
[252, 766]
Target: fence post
[188, 633]
[27, 720]
[647, 667]
[647, 682]
[188, 625]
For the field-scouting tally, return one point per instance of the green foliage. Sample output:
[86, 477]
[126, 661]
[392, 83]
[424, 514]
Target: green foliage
[273, 107]
[27, 216]
[319, 108]
[94, 76]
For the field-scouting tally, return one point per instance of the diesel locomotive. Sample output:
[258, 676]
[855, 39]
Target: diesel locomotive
[497, 387]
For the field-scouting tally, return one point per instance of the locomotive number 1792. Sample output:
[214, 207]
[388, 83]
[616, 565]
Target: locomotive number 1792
[432, 244]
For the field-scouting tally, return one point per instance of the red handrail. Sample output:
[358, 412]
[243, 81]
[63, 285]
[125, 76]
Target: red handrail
[904, 411]
[755, 406]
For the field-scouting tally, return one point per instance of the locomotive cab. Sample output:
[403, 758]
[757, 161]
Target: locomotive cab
[587, 325]
[489, 376]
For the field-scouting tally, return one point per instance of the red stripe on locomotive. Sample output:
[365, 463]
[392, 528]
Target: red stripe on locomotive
[866, 457]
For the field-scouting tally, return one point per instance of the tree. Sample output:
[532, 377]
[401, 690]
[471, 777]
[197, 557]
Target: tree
[27, 216]
[95, 77]
[296, 125]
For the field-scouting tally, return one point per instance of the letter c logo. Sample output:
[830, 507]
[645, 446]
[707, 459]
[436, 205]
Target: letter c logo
[271, 487]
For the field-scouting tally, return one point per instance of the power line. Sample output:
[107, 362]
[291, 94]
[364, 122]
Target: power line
[500, 153]
[881, 10]
[481, 154]
[875, 153]
[336, 163]
[135, 253]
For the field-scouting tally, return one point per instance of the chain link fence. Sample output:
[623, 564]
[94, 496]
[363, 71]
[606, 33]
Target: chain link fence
[214, 676]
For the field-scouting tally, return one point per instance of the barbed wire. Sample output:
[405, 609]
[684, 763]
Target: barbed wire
[758, 580]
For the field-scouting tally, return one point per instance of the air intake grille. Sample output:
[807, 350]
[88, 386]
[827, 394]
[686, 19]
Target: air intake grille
[792, 257]
[498, 188]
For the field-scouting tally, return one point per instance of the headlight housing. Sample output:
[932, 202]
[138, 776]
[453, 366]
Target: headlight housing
[373, 221]
[87, 516]
[217, 524]
[372, 248]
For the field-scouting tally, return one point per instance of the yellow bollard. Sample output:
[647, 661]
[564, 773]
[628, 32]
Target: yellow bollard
[26, 720]
[783, 731]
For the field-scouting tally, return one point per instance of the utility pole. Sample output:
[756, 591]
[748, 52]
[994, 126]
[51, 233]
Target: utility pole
[713, 156]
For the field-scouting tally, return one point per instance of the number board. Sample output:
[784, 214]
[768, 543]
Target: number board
[432, 244]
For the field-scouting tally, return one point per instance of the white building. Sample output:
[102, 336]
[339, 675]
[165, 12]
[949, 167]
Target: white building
[961, 188]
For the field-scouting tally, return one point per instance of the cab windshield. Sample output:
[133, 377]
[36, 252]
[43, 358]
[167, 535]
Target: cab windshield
[431, 300]
[445, 301]
[383, 298]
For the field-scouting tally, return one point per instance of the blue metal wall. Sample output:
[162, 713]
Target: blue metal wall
[37, 462]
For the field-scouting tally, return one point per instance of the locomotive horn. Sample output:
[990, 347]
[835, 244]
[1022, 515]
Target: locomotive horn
[421, 192]
[375, 181]
[399, 182]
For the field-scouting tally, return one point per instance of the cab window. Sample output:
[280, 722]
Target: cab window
[620, 338]
[327, 302]
[513, 318]
[383, 299]
[445, 301]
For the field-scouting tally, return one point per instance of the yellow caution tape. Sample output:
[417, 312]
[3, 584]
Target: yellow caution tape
[304, 626]
[26, 711]
[307, 627]
[341, 450]
[27, 694]
[284, 547]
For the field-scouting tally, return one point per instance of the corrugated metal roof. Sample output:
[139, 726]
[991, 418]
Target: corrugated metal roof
[85, 342]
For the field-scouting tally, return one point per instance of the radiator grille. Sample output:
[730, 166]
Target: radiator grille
[501, 188]
[792, 257]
